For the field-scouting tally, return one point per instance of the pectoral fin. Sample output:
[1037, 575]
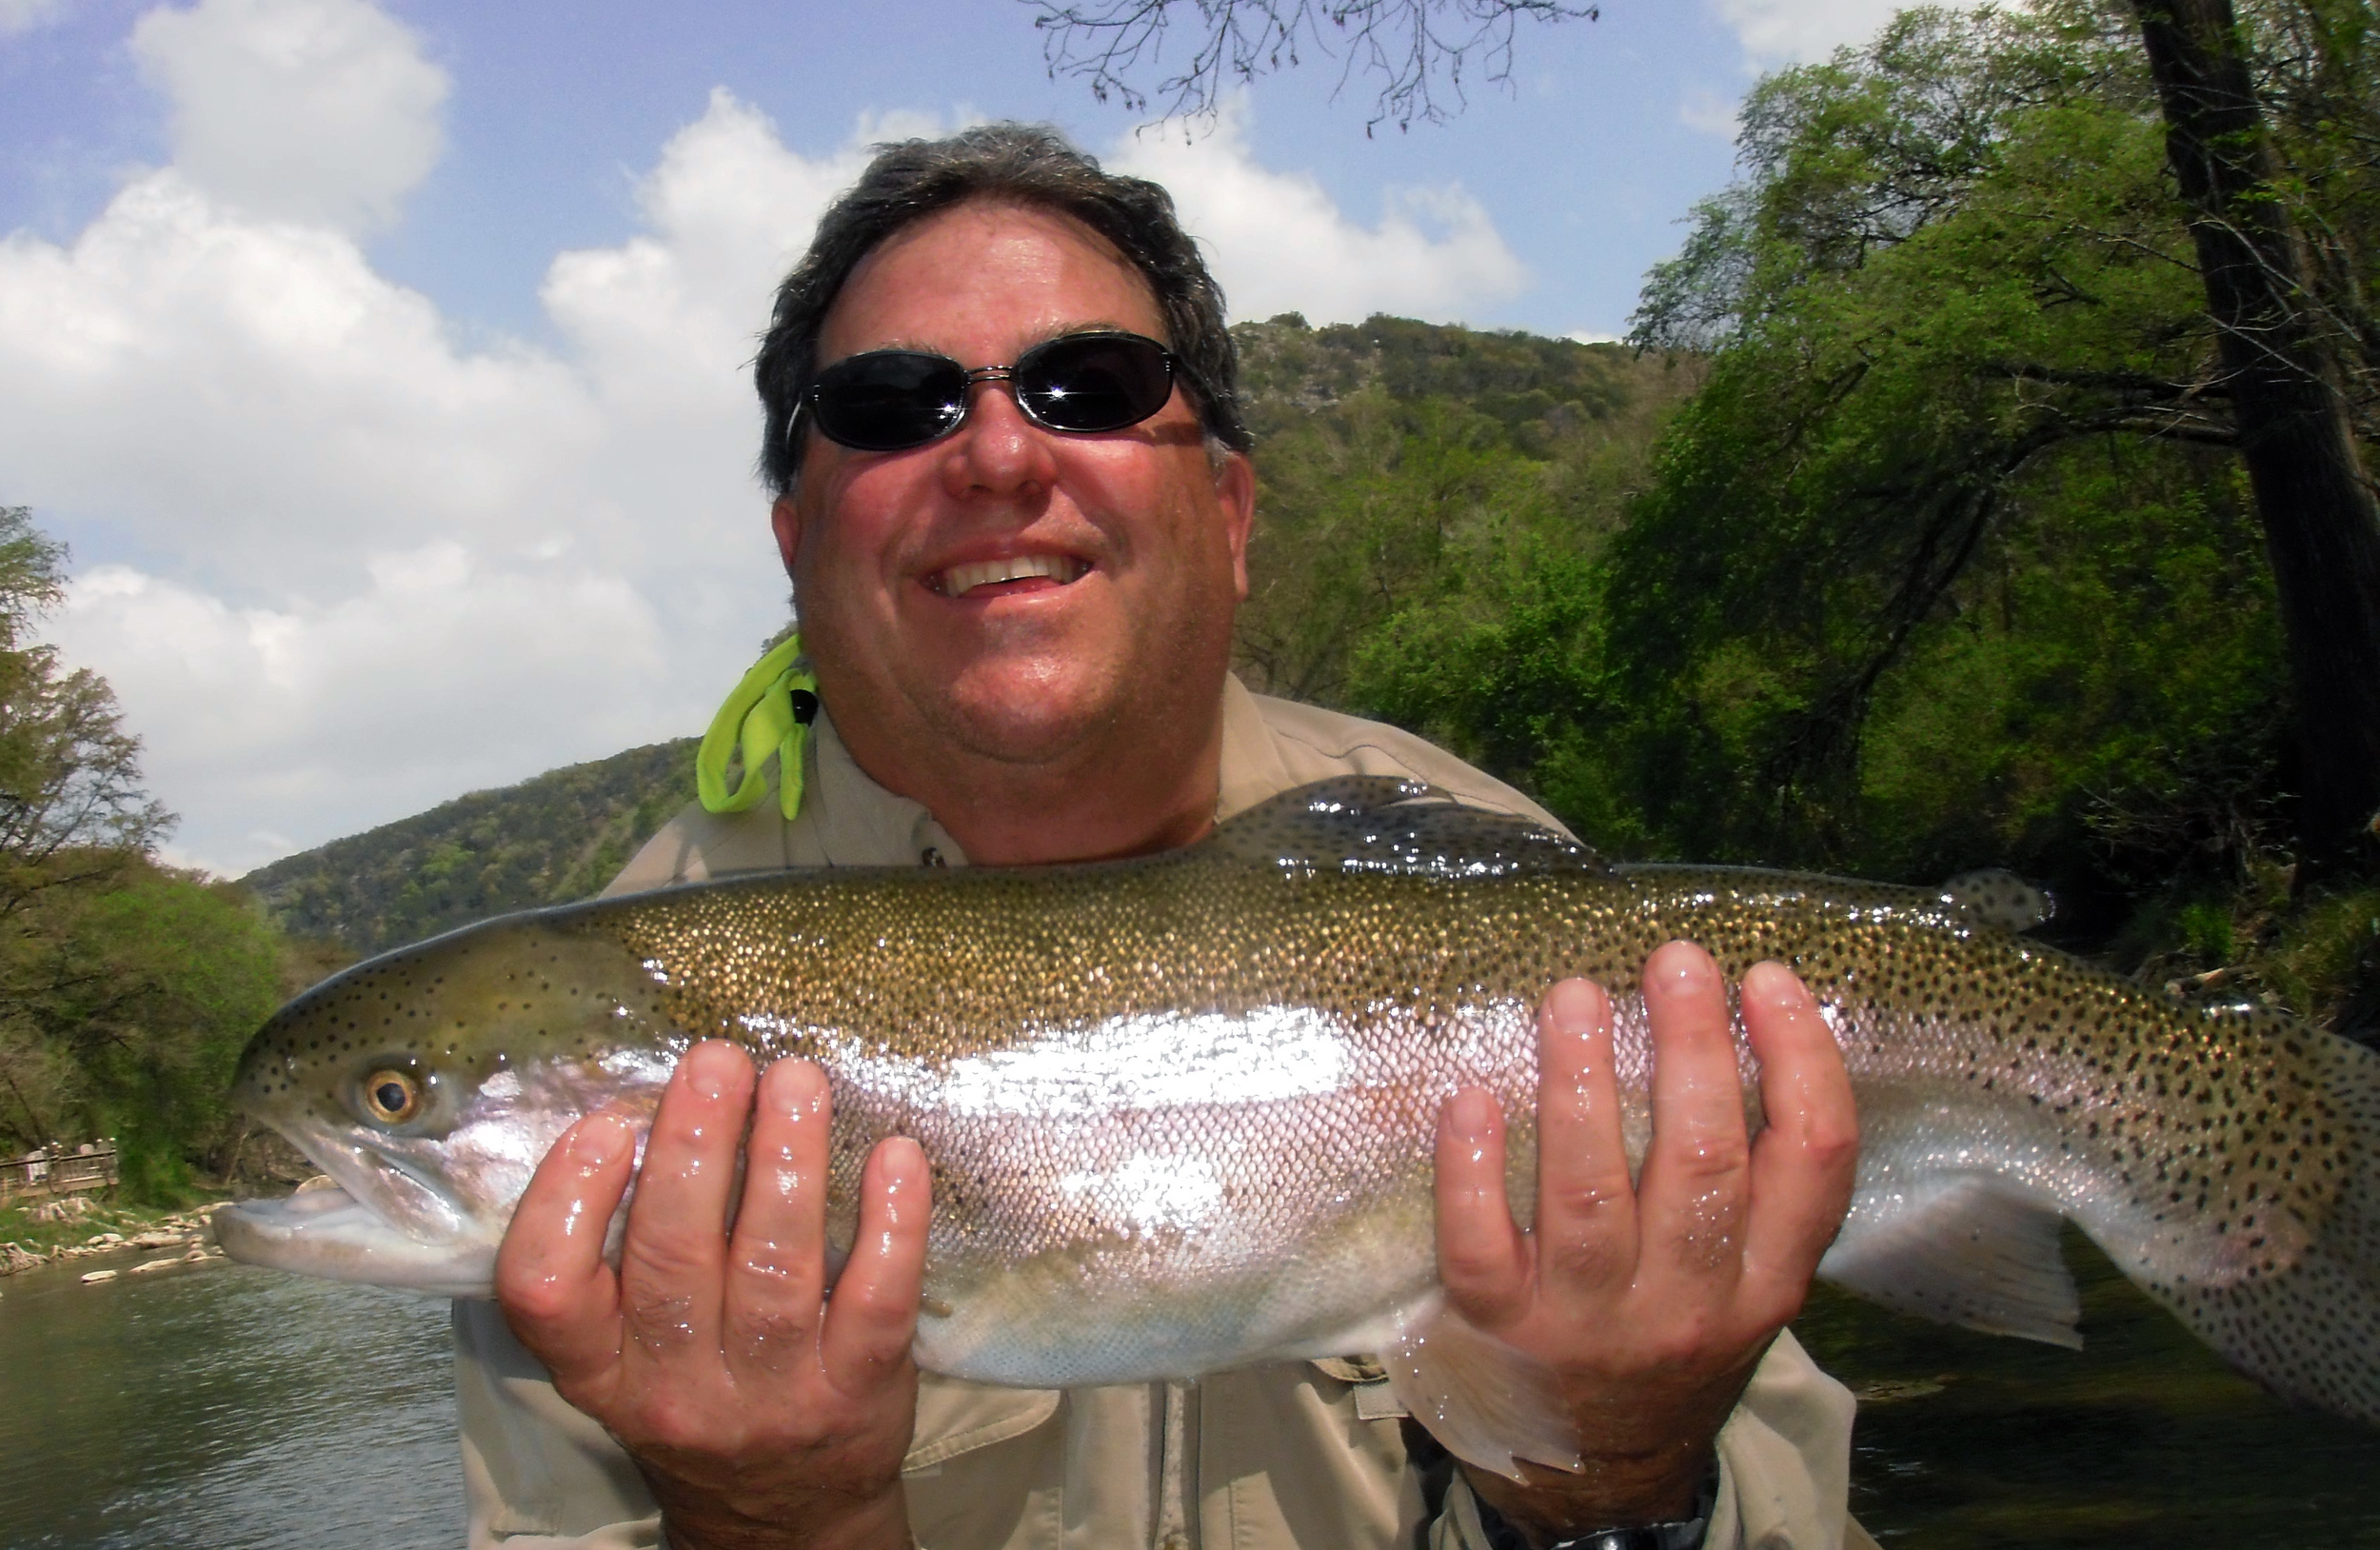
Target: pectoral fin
[1963, 1249]
[1487, 1402]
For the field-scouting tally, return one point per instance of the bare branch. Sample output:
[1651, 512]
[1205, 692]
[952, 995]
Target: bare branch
[1418, 47]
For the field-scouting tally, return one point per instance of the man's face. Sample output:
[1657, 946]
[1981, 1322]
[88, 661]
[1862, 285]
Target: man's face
[1125, 549]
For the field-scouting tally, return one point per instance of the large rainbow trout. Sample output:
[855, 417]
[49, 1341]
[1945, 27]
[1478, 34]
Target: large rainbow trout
[1179, 1110]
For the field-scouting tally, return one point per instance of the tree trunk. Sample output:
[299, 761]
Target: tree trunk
[2321, 523]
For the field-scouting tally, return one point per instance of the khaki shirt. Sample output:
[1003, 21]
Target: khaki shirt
[1290, 1456]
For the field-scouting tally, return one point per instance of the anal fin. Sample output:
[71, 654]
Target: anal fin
[1961, 1249]
[1487, 1402]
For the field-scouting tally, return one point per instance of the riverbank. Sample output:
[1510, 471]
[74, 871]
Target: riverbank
[91, 1228]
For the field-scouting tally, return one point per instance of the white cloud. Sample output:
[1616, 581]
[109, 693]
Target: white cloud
[446, 674]
[25, 15]
[1780, 33]
[379, 568]
[1709, 112]
[361, 566]
[1277, 242]
[319, 109]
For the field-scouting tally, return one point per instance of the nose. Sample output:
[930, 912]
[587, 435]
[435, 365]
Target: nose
[997, 451]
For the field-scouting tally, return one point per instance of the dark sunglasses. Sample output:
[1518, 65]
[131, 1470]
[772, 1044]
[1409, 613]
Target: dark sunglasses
[891, 400]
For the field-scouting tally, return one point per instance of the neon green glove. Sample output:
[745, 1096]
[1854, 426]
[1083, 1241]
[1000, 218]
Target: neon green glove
[769, 712]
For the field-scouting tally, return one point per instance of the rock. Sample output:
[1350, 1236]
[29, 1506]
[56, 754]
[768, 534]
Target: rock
[16, 1257]
[146, 1266]
[157, 1240]
[110, 1239]
[194, 1254]
[92, 1277]
[72, 1208]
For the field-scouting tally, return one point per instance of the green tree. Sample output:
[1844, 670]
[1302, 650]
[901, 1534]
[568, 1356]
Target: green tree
[1963, 365]
[2280, 356]
[127, 989]
[149, 988]
[72, 817]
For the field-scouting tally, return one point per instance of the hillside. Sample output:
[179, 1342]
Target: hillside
[1322, 401]
[557, 837]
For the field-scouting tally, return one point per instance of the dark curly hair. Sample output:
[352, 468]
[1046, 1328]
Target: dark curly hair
[1029, 164]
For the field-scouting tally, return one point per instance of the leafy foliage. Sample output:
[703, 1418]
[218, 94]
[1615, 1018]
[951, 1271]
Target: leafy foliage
[127, 989]
[558, 837]
[1403, 468]
[1943, 567]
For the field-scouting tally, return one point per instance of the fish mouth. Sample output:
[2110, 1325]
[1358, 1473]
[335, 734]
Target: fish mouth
[329, 1233]
[381, 1222]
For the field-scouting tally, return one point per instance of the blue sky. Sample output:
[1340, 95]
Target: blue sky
[382, 362]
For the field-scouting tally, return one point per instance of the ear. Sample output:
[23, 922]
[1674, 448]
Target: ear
[1235, 492]
[785, 516]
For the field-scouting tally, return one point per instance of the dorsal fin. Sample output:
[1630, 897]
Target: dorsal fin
[1997, 897]
[1381, 824]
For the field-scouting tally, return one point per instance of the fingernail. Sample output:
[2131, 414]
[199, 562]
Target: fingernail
[599, 1141]
[1775, 985]
[1471, 1114]
[1681, 969]
[1574, 1006]
[709, 1068]
[904, 1161]
[794, 1090]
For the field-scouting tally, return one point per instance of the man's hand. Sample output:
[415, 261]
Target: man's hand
[1651, 1303]
[761, 1414]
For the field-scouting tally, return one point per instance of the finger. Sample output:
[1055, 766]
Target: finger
[1806, 1159]
[559, 1297]
[671, 1266]
[1586, 1227]
[1697, 1174]
[1482, 1259]
[776, 1256]
[873, 1316]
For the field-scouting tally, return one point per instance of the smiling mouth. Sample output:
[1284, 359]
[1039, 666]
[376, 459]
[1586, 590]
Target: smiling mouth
[1019, 573]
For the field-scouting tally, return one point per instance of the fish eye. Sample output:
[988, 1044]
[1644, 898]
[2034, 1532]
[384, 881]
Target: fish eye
[391, 1097]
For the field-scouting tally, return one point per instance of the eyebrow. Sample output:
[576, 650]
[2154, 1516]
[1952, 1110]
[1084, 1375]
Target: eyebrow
[1060, 331]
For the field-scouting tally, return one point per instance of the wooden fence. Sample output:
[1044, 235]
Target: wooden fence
[58, 1173]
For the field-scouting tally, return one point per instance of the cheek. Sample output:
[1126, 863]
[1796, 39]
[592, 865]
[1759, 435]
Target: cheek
[848, 543]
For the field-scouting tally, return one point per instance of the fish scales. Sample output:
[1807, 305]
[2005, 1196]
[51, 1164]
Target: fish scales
[1179, 1110]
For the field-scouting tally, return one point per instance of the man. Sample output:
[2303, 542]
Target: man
[1016, 530]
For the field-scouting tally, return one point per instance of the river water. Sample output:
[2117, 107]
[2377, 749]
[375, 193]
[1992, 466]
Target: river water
[231, 1407]
[221, 1406]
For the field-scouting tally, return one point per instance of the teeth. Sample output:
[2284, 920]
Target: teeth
[960, 579]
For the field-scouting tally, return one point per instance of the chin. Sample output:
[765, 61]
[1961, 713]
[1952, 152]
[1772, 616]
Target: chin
[1030, 717]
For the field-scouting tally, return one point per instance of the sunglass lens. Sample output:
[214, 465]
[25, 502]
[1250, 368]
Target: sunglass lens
[887, 400]
[1096, 383]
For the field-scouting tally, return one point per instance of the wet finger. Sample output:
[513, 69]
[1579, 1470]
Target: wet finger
[1804, 1160]
[1586, 1221]
[559, 1297]
[872, 1318]
[776, 1256]
[671, 1267]
[1482, 1258]
[1696, 1172]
